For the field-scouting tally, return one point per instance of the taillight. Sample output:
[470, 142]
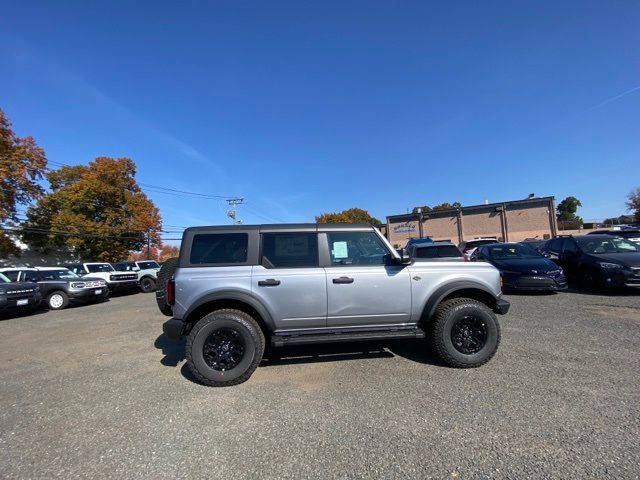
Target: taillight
[171, 292]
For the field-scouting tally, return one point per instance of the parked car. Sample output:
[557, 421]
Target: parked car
[236, 287]
[467, 247]
[631, 234]
[534, 243]
[521, 267]
[116, 281]
[147, 271]
[597, 261]
[18, 295]
[59, 286]
[435, 252]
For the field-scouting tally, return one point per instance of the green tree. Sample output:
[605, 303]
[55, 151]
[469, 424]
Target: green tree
[97, 210]
[447, 206]
[633, 202]
[22, 164]
[567, 209]
[353, 215]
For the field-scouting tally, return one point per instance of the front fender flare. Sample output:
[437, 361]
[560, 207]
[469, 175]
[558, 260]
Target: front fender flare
[447, 289]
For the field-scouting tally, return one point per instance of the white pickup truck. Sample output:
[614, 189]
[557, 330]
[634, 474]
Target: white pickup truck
[116, 281]
[147, 271]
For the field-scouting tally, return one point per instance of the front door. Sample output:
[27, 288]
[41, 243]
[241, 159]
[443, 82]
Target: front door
[363, 289]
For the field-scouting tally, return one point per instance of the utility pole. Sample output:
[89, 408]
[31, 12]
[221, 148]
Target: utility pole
[232, 213]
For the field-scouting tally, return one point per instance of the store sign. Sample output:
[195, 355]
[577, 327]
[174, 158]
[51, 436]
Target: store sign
[409, 227]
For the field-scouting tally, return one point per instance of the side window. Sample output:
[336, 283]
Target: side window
[569, 246]
[30, 276]
[356, 248]
[554, 245]
[289, 250]
[12, 275]
[219, 248]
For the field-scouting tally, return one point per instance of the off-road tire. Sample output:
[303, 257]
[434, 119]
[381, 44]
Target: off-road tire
[228, 319]
[147, 285]
[165, 273]
[57, 300]
[447, 315]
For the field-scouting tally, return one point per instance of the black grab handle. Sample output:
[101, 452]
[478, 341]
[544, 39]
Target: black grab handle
[343, 280]
[269, 282]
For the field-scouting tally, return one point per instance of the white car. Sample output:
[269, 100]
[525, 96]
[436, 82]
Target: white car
[469, 246]
[147, 271]
[116, 281]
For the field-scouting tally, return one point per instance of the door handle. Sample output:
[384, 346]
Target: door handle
[343, 280]
[269, 282]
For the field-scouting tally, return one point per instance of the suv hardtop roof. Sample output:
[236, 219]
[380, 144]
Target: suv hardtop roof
[297, 227]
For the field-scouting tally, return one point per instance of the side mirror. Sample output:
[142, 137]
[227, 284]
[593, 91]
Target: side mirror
[405, 258]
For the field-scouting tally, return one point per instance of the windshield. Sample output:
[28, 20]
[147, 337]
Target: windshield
[58, 274]
[4, 278]
[146, 265]
[606, 245]
[100, 267]
[511, 252]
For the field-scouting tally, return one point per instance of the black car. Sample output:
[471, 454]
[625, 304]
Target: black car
[631, 234]
[521, 267]
[597, 261]
[534, 243]
[18, 296]
[59, 286]
[435, 252]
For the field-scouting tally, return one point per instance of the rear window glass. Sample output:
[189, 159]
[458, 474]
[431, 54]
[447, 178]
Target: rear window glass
[219, 248]
[100, 267]
[443, 251]
[289, 250]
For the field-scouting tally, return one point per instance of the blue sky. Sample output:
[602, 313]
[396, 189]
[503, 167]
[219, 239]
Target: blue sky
[308, 107]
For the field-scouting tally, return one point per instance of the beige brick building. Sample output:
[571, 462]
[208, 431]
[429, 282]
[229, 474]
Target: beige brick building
[508, 221]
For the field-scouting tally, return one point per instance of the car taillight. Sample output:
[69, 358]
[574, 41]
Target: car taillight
[171, 292]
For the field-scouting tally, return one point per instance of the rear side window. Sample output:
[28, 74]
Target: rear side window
[12, 275]
[219, 248]
[442, 251]
[30, 276]
[289, 250]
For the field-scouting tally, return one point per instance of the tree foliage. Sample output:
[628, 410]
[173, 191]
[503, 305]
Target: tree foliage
[439, 207]
[98, 210]
[352, 215]
[633, 203]
[169, 251]
[22, 164]
[567, 209]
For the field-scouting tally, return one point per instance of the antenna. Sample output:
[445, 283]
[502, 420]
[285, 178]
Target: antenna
[231, 213]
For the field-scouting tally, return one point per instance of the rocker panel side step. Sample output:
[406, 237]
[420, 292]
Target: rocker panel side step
[337, 336]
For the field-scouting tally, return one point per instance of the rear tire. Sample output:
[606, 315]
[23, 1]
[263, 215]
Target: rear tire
[164, 275]
[464, 333]
[224, 348]
[57, 300]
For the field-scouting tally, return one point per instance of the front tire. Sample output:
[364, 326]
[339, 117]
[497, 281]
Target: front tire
[147, 285]
[465, 333]
[224, 348]
[57, 300]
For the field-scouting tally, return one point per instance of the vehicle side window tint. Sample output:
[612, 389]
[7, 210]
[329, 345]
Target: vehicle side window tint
[219, 248]
[31, 276]
[569, 246]
[12, 275]
[289, 250]
[554, 245]
[356, 248]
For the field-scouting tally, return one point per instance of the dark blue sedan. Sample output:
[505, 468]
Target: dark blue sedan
[521, 267]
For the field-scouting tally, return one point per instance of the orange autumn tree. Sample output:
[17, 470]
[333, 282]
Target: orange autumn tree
[22, 164]
[352, 215]
[97, 210]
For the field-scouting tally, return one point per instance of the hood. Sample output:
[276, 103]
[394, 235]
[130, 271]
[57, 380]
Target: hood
[23, 287]
[526, 265]
[629, 259]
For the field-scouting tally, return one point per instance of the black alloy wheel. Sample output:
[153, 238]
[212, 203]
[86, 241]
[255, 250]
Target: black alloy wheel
[469, 334]
[223, 349]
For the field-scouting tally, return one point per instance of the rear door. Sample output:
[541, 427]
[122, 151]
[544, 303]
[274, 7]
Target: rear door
[363, 289]
[289, 280]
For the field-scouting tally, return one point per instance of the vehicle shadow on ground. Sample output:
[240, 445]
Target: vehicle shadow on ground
[611, 292]
[11, 314]
[413, 350]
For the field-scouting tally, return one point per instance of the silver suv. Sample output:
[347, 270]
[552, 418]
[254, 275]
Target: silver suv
[234, 288]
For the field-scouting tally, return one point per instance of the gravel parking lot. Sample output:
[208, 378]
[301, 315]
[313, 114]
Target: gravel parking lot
[96, 391]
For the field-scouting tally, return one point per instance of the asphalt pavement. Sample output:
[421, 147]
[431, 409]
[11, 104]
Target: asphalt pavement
[98, 392]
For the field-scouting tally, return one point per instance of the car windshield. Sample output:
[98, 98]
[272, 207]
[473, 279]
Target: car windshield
[4, 278]
[511, 252]
[58, 275]
[606, 245]
[146, 265]
[100, 267]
